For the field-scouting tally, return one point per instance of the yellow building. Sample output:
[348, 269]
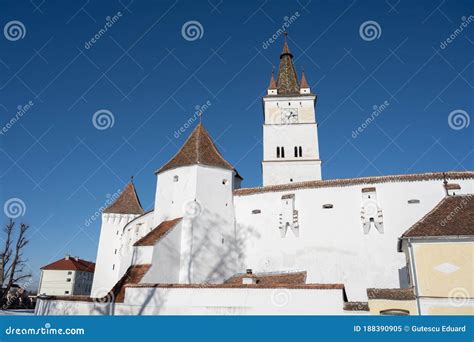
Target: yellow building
[439, 251]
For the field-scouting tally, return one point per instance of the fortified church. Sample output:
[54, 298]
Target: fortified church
[299, 244]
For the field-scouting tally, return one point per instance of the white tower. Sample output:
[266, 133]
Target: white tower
[114, 218]
[197, 184]
[290, 132]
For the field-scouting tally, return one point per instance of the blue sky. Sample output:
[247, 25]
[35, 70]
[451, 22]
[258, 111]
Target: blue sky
[150, 78]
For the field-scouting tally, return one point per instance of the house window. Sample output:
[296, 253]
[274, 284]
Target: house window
[66, 292]
[413, 201]
[296, 151]
[282, 152]
[69, 272]
[300, 149]
[224, 181]
[256, 211]
[328, 206]
[175, 178]
[68, 280]
[394, 312]
[278, 152]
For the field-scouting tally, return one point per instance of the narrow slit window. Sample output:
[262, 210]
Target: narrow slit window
[278, 152]
[300, 151]
[296, 151]
[282, 152]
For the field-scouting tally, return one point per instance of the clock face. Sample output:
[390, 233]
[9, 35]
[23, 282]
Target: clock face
[289, 115]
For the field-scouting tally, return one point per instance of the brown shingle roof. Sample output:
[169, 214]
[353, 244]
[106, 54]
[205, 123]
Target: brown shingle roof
[272, 84]
[393, 294]
[357, 181]
[198, 149]
[133, 275]
[127, 203]
[356, 306]
[71, 264]
[453, 216]
[304, 83]
[157, 233]
[238, 286]
[287, 82]
[271, 279]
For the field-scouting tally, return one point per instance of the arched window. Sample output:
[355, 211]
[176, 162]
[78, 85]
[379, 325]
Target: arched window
[301, 151]
[282, 152]
[296, 151]
[278, 152]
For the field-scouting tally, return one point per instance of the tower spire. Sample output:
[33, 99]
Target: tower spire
[272, 84]
[303, 83]
[287, 82]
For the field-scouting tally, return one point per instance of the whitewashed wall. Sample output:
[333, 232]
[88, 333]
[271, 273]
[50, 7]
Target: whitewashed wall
[331, 245]
[211, 301]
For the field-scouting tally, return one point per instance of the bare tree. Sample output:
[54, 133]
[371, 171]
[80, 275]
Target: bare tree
[12, 262]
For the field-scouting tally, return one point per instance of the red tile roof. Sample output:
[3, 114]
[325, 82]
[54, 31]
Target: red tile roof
[272, 84]
[161, 230]
[238, 286]
[127, 203]
[198, 149]
[356, 306]
[266, 279]
[287, 82]
[304, 83]
[453, 216]
[71, 264]
[133, 275]
[357, 181]
[392, 294]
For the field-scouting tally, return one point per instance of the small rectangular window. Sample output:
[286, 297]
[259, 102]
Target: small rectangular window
[66, 292]
[68, 280]
[69, 272]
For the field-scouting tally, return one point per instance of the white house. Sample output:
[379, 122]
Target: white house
[299, 244]
[67, 277]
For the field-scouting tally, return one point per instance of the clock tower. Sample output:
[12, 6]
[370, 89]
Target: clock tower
[290, 131]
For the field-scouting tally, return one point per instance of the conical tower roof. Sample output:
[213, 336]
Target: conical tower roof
[287, 82]
[127, 203]
[198, 149]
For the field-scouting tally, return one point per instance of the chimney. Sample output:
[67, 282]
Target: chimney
[76, 258]
[249, 278]
[66, 257]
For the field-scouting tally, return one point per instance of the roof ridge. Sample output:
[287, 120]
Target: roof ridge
[355, 181]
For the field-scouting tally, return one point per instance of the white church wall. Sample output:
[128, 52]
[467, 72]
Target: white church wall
[131, 233]
[175, 187]
[165, 257]
[331, 245]
[207, 301]
[107, 269]
[208, 256]
[284, 172]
